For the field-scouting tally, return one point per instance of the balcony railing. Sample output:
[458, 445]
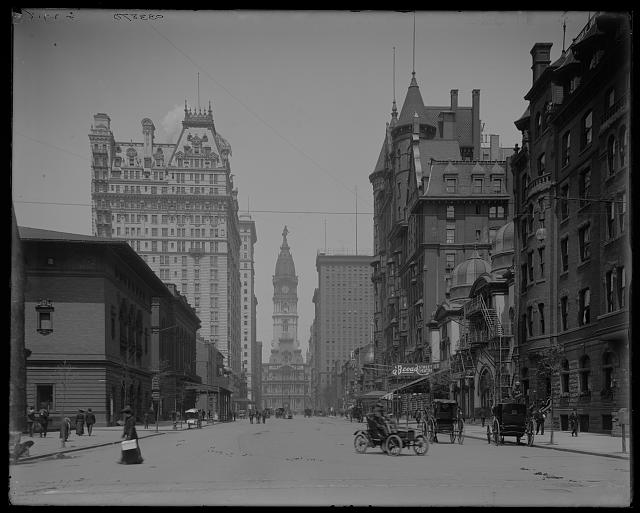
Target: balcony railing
[538, 183]
[474, 338]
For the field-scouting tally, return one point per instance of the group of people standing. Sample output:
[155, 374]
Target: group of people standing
[258, 415]
[37, 420]
[81, 419]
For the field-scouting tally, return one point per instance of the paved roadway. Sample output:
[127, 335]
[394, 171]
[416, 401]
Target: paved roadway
[311, 461]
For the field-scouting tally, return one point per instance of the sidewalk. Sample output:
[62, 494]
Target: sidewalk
[598, 444]
[50, 446]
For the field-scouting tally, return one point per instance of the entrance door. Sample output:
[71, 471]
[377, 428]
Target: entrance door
[584, 423]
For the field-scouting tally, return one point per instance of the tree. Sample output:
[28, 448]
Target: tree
[548, 367]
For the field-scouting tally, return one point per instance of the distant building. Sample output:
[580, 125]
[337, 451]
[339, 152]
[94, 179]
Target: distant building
[175, 204]
[248, 238]
[285, 377]
[100, 324]
[344, 315]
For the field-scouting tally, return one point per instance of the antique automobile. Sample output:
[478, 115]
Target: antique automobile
[393, 441]
[444, 418]
[510, 419]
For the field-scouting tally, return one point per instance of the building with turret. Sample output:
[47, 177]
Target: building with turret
[176, 206]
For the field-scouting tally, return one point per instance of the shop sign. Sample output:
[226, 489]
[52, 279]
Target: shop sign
[414, 369]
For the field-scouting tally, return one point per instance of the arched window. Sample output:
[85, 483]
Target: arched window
[612, 150]
[564, 377]
[622, 151]
[585, 375]
[538, 126]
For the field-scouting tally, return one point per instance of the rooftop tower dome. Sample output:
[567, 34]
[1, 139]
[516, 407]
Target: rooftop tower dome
[465, 273]
[284, 265]
[503, 248]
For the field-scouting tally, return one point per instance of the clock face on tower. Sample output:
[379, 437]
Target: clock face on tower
[285, 289]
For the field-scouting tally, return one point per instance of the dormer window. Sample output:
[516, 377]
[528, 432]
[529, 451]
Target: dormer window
[451, 184]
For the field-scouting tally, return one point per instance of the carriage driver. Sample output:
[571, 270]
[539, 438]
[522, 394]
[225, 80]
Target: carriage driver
[379, 421]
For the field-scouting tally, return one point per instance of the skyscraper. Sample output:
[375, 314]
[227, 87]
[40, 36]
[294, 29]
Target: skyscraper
[248, 239]
[176, 205]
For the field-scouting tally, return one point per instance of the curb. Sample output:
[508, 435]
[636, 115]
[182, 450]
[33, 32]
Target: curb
[564, 449]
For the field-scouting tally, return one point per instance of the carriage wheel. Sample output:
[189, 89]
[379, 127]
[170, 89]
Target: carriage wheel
[452, 435]
[488, 434]
[420, 445]
[393, 444]
[461, 433]
[496, 433]
[530, 434]
[431, 431]
[361, 443]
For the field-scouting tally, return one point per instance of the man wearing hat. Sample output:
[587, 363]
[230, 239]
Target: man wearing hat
[90, 419]
[130, 433]
[80, 423]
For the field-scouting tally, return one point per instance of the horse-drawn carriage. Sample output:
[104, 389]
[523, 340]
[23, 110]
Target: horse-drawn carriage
[444, 418]
[510, 419]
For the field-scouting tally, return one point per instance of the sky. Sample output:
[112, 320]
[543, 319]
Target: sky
[302, 97]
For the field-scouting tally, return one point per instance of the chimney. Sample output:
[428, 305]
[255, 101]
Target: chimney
[494, 147]
[475, 122]
[541, 58]
[454, 99]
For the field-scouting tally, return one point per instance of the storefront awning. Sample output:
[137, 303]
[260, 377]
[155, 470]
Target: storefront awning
[405, 387]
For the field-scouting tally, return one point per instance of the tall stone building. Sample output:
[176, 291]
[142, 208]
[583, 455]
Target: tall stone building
[285, 377]
[250, 367]
[344, 318]
[176, 205]
[572, 177]
[436, 203]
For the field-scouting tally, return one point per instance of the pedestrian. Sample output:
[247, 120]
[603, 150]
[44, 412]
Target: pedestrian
[146, 420]
[43, 419]
[539, 418]
[31, 420]
[264, 416]
[90, 419]
[209, 415]
[573, 422]
[130, 455]
[251, 416]
[483, 415]
[80, 422]
[65, 429]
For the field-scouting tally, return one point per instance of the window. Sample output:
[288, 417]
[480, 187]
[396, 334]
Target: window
[538, 126]
[451, 261]
[564, 312]
[610, 284]
[621, 207]
[566, 148]
[451, 184]
[622, 146]
[477, 185]
[530, 219]
[585, 305]
[523, 186]
[585, 242]
[492, 235]
[493, 212]
[585, 375]
[530, 320]
[44, 397]
[564, 202]
[611, 220]
[585, 186]
[587, 129]
[621, 287]
[564, 377]
[541, 317]
[612, 154]
[564, 253]
[451, 212]
[607, 371]
[530, 265]
[44, 312]
[523, 277]
[497, 185]
[541, 261]
[451, 233]
[541, 165]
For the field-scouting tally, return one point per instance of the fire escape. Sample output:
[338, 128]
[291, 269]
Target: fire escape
[486, 336]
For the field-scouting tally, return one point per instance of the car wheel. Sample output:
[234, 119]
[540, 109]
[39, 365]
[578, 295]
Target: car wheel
[420, 445]
[393, 444]
[360, 443]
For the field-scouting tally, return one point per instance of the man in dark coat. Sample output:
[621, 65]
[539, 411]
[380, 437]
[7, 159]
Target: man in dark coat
[129, 433]
[31, 420]
[80, 423]
[43, 418]
[90, 419]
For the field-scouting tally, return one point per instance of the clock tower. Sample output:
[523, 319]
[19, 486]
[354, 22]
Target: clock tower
[285, 348]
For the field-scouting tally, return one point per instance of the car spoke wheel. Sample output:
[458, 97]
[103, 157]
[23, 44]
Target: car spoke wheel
[393, 445]
[420, 445]
[361, 443]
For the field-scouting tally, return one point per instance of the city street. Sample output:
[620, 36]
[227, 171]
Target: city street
[311, 461]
